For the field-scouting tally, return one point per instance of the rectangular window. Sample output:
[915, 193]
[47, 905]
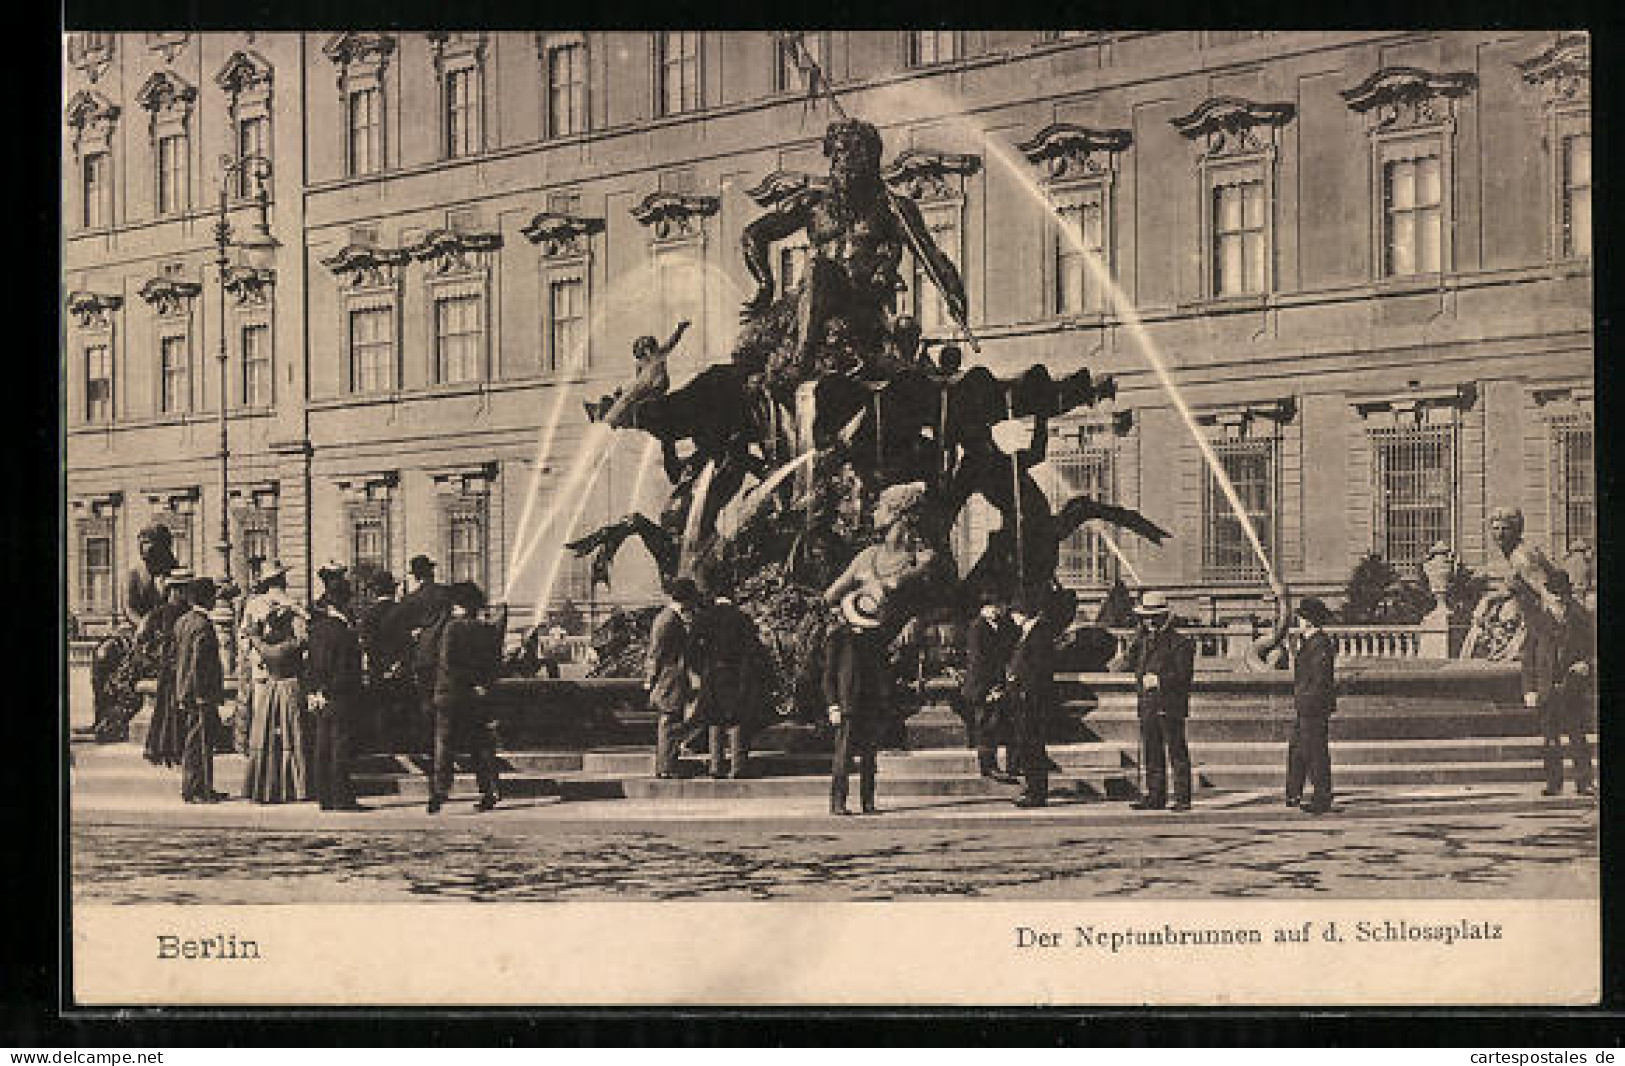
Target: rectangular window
[174, 375]
[1082, 232]
[679, 72]
[1085, 560]
[178, 521]
[1573, 483]
[364, 146]
[1227, 552]
[257, 535]
[98, 191]
[98, 383]
[465, 540]
[926, 47]
[257, 365]
[791, 76]
[1416, 490]
[1239, 249]
[173, 175]
[1577, 196]
[566, 90]
[96, 569]
[251, 141]
[1413, 205]
[369, 542]
[372, 349]
[929, 308]
[462, 114]
[566, 324]
[458, 333]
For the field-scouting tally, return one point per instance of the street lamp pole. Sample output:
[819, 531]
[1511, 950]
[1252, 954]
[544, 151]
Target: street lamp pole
[258, 168]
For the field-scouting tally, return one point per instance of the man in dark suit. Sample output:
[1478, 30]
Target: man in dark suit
[333, 677]
[1163, 660]
[1314, 696]
[468, 663]
[1040, 618]
[199, 689]
[988, 641]
[724, 638]
[1557, 680]
[418, 623]
[666, 673]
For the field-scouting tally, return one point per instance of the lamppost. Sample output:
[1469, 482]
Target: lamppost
[256, 256]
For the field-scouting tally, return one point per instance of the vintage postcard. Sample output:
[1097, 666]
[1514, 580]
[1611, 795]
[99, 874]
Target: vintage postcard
[922, 517]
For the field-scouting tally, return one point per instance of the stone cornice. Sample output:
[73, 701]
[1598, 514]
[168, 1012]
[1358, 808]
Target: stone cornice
[921, 174]
[672, 214]
[243, 71]
[560, 234]
[1563, 69]
[168, 295]
[1066, 150]
[1392, 86]
[782, 185]
[90, 59]
[90, 309]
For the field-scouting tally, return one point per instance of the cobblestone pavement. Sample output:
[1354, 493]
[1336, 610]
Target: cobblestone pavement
[1551, 854]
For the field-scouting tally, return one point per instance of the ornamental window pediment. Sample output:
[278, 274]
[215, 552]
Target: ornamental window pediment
[250, 286]
[558, 234]
[169, 43]
[245, 72]
[928, 175]
[1407, 97]
[675, 215]
[368, 52]
[361, 266]
[1562, 70]
[92, 117]
[93, 310]
[1230, 126]
[450, 252]
[90, 53]
[1067, 151]
[783, 186]
[170, 296]
[168, 100]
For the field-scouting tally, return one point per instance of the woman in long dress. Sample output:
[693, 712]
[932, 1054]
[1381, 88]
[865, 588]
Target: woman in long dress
[278, 751]
[166, 734]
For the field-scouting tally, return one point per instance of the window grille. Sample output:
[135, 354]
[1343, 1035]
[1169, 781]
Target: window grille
[1227, 552]
[1573, 482]
[1415, 490]
[369, 535]
[465, 525]
[1085, 560]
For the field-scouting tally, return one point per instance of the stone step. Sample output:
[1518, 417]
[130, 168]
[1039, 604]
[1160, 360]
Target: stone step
[1102, 785]
[1360, 752]
[1368, 775]
[1122, 725]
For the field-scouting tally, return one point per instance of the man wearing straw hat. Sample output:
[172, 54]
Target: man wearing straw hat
[1163, 660]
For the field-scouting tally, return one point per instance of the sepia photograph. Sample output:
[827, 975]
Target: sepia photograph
[942, 516]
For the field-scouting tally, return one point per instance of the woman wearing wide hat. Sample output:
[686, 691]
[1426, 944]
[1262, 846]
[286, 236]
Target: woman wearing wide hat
[278, 745]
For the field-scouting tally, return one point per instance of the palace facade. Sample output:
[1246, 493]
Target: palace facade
[1362, 259]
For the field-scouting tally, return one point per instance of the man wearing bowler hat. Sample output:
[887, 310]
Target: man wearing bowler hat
[333, 683]
[199, 688]
[418, 623]
[1040, 617]
[1163, 660]
[1314, 697]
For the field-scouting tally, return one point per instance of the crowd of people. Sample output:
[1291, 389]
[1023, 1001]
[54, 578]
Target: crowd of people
[419, 666]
